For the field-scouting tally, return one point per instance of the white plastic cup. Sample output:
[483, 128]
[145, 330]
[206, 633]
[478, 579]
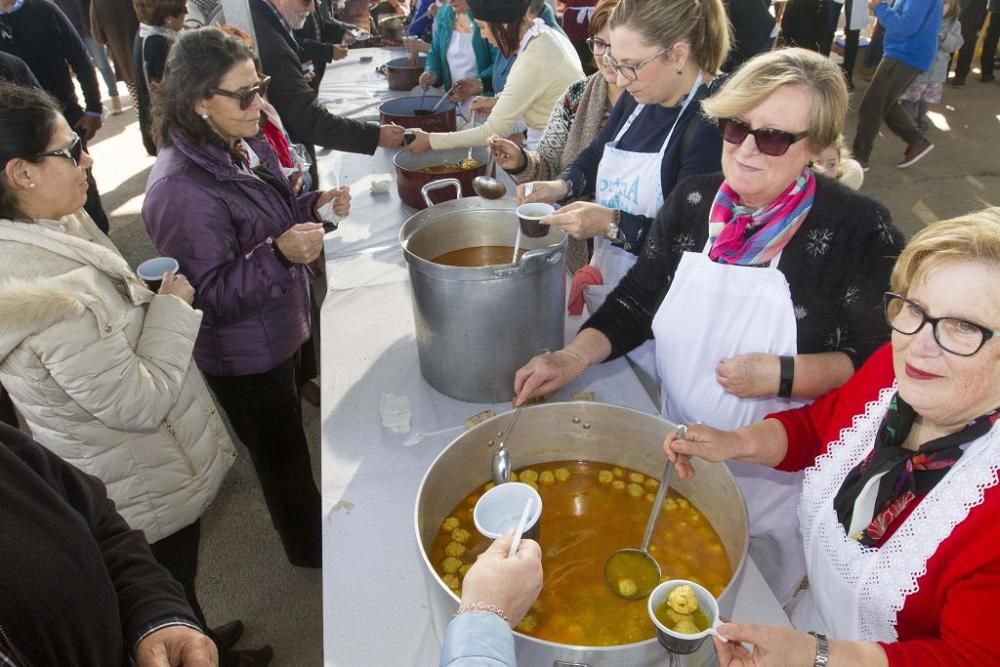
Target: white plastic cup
[529, 215]
[499, 510]
[152, 270]
[678, 642]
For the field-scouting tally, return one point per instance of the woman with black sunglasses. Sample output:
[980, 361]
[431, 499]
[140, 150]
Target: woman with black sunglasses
[100, 367]
[761, 286]
[218, 202]
[900, 504]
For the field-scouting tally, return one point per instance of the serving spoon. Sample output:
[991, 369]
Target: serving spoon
[500, 467]
[632, 573]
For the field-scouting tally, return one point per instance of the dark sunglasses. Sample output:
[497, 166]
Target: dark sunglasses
[769, 141]
[73, 152]
[247, 95]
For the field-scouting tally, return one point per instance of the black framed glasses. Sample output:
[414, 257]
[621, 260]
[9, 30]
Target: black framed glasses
[769, 141]
[631, 72]
[73, 152]
[245, 96]
[597, 46]
[955, 335]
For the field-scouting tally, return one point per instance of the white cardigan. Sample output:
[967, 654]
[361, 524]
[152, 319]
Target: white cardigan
[101, 370]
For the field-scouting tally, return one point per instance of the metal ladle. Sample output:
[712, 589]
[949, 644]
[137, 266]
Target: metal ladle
[488, 187]
[500, 467]
[632, 573]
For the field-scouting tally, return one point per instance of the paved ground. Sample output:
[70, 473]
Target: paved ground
[244, 573]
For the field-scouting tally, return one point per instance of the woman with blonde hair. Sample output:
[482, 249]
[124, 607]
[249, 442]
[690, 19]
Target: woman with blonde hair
[760, 285]
[901, 492]
[666, 54]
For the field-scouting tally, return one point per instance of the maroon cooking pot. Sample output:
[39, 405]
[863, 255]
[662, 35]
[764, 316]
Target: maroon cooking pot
[416, 112]
[401, 73]
[410, 180]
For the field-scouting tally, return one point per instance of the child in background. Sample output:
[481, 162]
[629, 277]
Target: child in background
[926, 88]
[836, 162]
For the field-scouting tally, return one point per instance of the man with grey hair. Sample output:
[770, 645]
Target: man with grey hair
[306, 120]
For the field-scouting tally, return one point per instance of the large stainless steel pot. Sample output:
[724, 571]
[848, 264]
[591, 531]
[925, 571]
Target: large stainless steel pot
[584, 431]
[402, 73]
[476, 326]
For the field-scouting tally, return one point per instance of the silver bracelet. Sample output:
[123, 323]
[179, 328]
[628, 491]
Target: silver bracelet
[483, 606]
[822, 650]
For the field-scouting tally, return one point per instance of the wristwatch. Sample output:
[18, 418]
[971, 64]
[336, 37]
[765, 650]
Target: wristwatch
[822, 650]
[611, 231]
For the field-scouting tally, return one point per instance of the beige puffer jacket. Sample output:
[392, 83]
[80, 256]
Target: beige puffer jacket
[101, 369]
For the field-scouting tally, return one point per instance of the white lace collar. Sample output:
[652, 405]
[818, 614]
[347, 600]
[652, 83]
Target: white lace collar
[885, 577]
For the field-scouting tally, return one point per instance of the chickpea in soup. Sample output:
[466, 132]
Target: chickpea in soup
[590, 510]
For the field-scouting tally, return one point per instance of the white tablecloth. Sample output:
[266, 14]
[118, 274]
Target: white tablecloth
[375, 606]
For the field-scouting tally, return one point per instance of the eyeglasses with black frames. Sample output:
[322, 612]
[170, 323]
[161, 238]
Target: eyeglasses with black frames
[245, 96]
[73, 152]
[955, 335]
[769, 140]
[631, 72]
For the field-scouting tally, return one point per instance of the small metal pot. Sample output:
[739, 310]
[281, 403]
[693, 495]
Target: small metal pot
[401, 73]
[410, 181]
[405, 112]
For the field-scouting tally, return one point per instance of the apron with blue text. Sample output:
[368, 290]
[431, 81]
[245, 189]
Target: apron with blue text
[630, 182]
[714, 311]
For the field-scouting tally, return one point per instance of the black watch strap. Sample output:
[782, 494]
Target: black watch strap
[787, 376]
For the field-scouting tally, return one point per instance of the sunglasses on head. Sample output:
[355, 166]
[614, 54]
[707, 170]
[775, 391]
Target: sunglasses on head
[245, 96]
[769, 141]
[73, 152]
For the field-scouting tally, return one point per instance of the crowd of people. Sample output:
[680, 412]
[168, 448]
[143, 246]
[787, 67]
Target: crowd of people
[718, 238]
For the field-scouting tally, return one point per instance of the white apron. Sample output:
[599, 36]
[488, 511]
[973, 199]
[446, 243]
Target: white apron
[714, 311]
[856, 592]
[630, 182]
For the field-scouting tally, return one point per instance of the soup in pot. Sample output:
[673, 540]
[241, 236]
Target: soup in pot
[463, 165]
[483, 255]
[590, 510]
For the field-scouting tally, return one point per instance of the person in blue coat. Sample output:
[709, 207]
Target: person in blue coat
[910, 43]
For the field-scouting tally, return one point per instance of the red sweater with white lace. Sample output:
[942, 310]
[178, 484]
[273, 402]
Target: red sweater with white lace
[951, 618]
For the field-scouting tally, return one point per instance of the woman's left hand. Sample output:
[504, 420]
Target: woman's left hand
[581, 220]
[482, 105]
[772, 645]
[421, 142]
[341, 200]
[464, 89]
[753, 375]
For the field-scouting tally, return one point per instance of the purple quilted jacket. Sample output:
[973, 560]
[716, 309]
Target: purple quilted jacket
[219, 223]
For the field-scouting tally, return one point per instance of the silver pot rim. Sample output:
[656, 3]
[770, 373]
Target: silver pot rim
[503, 418]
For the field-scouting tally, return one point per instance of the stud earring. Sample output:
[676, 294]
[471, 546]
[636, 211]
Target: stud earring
[204, 115]
[31, 185]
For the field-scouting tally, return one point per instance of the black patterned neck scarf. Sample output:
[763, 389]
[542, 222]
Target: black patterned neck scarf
[909, 475]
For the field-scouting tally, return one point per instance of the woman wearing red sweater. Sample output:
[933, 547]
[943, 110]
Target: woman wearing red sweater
[900, 502]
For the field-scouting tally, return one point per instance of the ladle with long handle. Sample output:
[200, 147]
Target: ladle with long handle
[488, 187]
[501, 457]
[632, 573]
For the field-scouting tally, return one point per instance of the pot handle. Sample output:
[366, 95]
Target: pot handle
[437, 185]
[380, 70]
[546, 255]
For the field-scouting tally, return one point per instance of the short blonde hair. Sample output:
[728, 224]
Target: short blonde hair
[762, 75]
[973, 237]
[703, 24]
